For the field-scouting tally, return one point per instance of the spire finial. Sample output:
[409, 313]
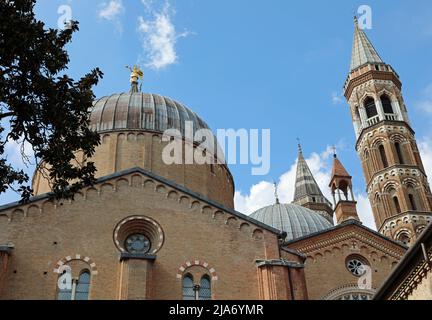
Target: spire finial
[334, 152]
[276, 193]
[299, 146]
[136, 74]
[363, 51]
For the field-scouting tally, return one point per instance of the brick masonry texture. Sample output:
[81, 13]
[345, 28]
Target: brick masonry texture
[80, 233]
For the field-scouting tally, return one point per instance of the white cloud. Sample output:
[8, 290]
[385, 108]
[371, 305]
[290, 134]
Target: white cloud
[364, 211]
[111, 11]
[262, 193]
[337, 98]
[425, 143]
[426, 155]
[159, 35]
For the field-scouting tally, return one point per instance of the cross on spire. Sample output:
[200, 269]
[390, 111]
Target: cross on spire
[299, 145]
[355, 21]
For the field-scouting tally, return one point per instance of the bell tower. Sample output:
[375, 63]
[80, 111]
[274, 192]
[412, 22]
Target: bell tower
[342, 192]
[397, 185]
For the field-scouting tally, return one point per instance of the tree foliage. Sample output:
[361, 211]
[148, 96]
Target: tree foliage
[40, 105]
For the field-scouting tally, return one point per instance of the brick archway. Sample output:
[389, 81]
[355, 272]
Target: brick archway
[199, 263]
[66, 260]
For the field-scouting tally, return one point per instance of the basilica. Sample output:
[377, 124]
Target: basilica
[149, 230]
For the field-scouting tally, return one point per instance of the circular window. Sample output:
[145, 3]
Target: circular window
[138, 235]
[356, 267]
[137, 244]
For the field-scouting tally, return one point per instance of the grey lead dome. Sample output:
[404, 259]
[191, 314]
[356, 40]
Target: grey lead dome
[142, 111]
[295, 220]
[151, 113]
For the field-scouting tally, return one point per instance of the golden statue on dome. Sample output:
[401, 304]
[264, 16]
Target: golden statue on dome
[136, 73]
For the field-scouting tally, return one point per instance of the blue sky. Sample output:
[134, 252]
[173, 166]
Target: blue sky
[257, 64]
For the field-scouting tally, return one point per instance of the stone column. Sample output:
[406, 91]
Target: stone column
[397, 108]
[380, 108]
[363, 117]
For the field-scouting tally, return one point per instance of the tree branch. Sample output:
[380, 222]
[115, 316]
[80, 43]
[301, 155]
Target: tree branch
[6, 115]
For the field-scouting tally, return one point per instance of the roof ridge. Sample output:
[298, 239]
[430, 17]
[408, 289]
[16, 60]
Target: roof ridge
[163, 180]
[343, 224]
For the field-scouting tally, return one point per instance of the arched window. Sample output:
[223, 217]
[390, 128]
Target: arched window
[383, 156]
[399, 153]
[83, 286]
[386, 103]
[65, 284]
[192, 291]
[396, 204]
[205, 288]
[349, 292]
[412, 202]
[371, 110]
[188, 288]
[420, 229]
[404, 238]
[74, 289]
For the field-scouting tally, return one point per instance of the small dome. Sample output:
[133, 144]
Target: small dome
[295, 220]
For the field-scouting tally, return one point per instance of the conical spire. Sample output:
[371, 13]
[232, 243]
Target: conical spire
[306, 188]
[338, 169]
[363, 51]
[307, 192]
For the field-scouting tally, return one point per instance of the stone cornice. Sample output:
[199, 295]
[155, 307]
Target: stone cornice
[382, 124]
[325, 240]
[408, 214]
[393, 171]
[280, 263]
[6, 249]
[412, 281]
[371, 75]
